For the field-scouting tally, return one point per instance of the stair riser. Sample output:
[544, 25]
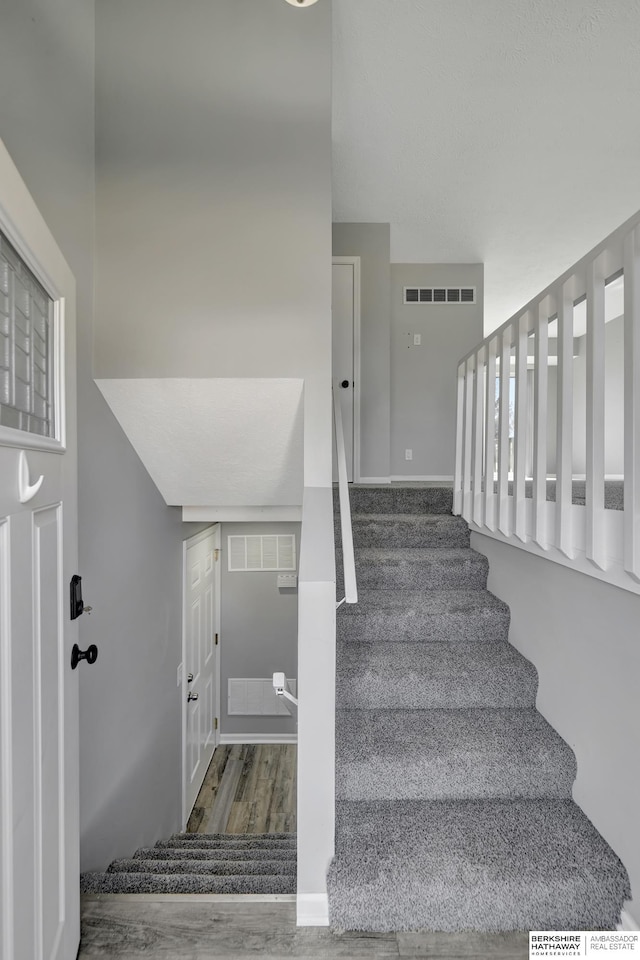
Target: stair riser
[432, 781]
[184, 883]
[417, 694]
[211, 853]
[421, 574]
[388, 499]
[198, 867]
[372, 627]
[445, 532]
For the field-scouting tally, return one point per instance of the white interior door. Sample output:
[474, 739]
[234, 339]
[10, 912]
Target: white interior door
[39, 862]
[345, 353]
[200, 660]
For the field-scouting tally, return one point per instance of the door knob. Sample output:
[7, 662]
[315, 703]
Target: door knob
[90, 655]
[192, 696]
[344, 384]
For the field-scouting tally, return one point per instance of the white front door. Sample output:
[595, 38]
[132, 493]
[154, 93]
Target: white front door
[345, 351]
[39, 862]
[200, 660]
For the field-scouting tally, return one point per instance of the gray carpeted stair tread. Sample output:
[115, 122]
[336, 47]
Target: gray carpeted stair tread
[406, 529]
[433, 675]
[474, 865]
[258, 841]
[197, 866]
[450, 754]
[429, 569]
[215, 853]
[389, 499]
[434, 615]
[185, 883]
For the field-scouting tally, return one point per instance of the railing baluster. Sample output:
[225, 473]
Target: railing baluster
[520, 437]
[478, 421]
[564, 429]
[490, 435]
[468, 437]
[457, 477]
[632, 403]
[504, 523]
[541, 378]
[595, 544]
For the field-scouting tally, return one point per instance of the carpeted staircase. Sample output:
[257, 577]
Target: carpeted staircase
[204, 863]
[453, 794]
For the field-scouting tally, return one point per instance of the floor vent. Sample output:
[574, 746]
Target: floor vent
[439, 295]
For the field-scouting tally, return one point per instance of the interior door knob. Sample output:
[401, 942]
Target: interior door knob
[344, 384]
[192, 696]
[90, 655]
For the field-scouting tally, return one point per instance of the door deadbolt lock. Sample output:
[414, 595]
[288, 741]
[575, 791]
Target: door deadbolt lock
[189, 678]
[344, 384]
[192, 696]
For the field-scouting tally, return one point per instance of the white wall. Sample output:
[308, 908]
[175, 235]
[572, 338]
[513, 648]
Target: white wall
[214, 197]
[370, 242]
[258, 629]
[582, 636]
[423, 379]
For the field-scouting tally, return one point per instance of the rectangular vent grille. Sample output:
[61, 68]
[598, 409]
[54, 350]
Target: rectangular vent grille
[255, 697]
[262, 553]
[439, 295]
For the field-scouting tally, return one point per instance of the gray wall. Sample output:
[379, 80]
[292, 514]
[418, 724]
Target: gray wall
[214, 196]
[423, 379]
[614, 400]
[130, 542]
[582, 635]
[258, 629]
[370, 242]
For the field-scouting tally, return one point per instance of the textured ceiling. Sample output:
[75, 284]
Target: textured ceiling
[497, 131]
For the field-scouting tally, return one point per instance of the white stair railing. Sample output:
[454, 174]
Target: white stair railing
[281, 687]
[504, 421]
[348, 557]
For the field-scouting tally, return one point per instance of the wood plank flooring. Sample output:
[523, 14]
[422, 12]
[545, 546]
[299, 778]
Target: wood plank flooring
[130, 930]
[248, 788]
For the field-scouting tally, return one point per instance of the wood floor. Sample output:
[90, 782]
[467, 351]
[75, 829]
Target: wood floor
[249, 788]
[128, 930]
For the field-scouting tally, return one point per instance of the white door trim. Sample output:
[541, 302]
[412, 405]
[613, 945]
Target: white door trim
[357, 322]
[192, 542]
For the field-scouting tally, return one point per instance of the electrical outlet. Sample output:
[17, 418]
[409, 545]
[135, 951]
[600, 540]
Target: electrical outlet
[408, 454]
[417, 339]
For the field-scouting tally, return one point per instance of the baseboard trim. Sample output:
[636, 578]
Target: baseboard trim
[258, 738]
[313, 910]
[627, 920]
[374, 480]
[434, 478]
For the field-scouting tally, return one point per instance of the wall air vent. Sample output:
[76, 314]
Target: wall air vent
[247, 554]
[439, 295]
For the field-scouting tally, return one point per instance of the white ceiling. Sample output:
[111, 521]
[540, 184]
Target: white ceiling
[497, 131]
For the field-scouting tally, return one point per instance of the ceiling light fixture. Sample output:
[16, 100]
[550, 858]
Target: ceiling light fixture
[301, 3]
